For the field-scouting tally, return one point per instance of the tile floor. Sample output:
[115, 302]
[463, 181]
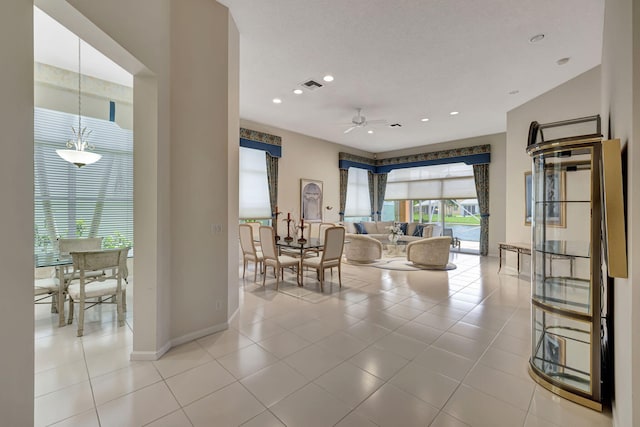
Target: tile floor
[391, 348]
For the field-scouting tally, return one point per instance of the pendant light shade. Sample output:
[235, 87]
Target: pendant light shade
[77, 147]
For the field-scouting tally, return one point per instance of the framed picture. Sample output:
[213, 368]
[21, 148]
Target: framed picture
[554, 354]
[553, 200]
[311, 200]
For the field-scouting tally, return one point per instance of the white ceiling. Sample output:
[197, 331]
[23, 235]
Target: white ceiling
[402, 60]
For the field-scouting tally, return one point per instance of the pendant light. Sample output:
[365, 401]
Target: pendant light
[77, 147]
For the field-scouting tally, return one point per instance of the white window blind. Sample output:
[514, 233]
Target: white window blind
[451, 181]
[253, 185]
[92, 201]
[358, 201]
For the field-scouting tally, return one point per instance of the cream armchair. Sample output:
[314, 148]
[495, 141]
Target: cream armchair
[363, 248]
[431, 252]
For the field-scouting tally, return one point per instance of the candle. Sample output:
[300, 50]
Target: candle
[276, 209]
[302, 224]
[289, 216]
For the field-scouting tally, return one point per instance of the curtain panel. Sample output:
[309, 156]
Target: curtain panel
[380, 190]
[372, 193]
[272, 181]
[481, 176]
[344, 182]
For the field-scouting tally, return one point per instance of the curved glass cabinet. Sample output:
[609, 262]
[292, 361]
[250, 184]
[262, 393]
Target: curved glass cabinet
[568, 295]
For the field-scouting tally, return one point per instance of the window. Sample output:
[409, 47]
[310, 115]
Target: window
[450, 181]
[253, 186]
[92, 201]
[358, 201]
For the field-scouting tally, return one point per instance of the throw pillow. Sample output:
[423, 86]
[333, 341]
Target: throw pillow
[418, 231]
[360, 228]
[403, 227]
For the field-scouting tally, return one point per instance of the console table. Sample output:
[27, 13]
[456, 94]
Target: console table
[518, 248]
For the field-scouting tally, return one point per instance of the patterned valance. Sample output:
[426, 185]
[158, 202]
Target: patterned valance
[347, 160]
[272, 144]
[476, 155]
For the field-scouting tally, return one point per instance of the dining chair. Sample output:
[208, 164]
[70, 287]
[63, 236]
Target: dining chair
[249, 252]
[331, 255]
[113, 262]
[271, 257]
[46, 288]
[66, 246]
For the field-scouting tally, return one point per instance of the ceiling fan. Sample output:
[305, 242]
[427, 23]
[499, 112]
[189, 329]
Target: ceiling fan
[360, 121]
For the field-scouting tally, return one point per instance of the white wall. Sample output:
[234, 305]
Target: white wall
[57, 89]
[179, 59]
[16, 191]
[306, 157]
[578, 97]
[496, 178]
[621, 118]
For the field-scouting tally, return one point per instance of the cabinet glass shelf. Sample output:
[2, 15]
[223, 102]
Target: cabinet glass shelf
[566, 262]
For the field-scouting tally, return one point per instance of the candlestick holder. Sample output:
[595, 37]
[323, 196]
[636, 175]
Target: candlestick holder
[288, 238]
[302, 240]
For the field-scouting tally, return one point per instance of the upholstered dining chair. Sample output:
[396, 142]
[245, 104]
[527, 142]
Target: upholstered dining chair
[113, 262]
[271, 257]
[331, 254]
[46, 288]
[249, 251]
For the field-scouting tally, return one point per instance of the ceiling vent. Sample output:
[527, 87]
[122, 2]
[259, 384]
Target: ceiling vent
[395, 125]
[311, 85]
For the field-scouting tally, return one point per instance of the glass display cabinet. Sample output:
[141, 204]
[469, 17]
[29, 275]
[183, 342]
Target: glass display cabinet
[568, 271]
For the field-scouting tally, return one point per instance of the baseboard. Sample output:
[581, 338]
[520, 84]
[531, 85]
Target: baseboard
[150, 355]
[155, 355]
[199, 334]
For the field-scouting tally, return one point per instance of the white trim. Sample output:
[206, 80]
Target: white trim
[150, 355]
[155, 355]
[199, 334]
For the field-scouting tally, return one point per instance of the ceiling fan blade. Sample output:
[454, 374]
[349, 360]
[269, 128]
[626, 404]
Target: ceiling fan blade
[377, 122]
[350, 129]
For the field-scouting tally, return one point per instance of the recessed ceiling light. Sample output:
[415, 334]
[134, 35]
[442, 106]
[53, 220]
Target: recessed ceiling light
[514, 92]
[297, 91]
[453, 113]
[277, 101]
[328, 78]
[536, 38]
[424, 119]
[562, 61]
[369, 131]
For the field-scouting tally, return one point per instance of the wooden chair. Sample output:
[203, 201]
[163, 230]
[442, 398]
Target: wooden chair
[113, 262]
[249, 252]
[271, 257]
[331, 254]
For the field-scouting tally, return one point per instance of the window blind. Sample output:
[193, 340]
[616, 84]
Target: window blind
[93, 201]
[358, 201]
[450, 181]
[253, 186]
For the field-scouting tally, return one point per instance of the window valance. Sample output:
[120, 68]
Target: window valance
[272, 144]
[475, 155]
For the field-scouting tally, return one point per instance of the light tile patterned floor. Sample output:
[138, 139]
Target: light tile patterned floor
[397, 348]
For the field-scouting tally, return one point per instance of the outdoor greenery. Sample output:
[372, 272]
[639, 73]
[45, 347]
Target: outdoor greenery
[42, 241]
[457, 219]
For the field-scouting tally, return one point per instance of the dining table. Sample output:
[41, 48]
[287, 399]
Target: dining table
[299, 247]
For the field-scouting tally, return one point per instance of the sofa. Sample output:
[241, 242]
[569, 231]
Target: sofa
[380, 230]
